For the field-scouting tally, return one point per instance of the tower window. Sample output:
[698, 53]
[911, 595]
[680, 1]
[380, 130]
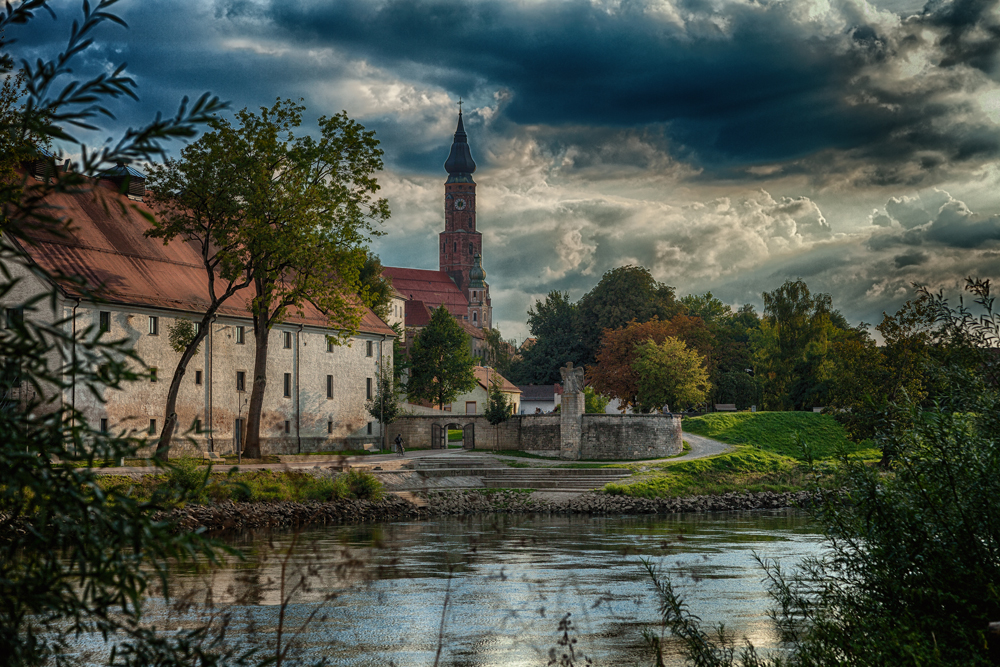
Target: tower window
[444, 247]
[456, 247]
[474, 317]
[470, 223]
[470, 248]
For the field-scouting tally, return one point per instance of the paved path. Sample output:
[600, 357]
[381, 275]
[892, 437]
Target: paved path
[701, 447]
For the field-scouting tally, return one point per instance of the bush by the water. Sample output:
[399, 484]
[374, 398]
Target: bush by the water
[194, 483]
[776, 432]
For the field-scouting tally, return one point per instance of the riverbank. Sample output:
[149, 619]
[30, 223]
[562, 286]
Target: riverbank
[235, 516]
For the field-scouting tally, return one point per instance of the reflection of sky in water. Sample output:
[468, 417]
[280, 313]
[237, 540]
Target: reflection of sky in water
[514, 577]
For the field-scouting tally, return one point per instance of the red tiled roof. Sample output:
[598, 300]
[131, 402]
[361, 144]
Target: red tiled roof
[473, 331]
[505, 385]
[417, 314]
[434, 288]
[106, 246]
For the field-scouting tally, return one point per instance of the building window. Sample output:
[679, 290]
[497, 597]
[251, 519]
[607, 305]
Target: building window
[15, 317]
[329, 344]
[240, 335]
[368, 382]
[288, 385]
[455, 249]
[105, 321]
[197, 377]
[197, 426]
[154, 325]
[470, 222]
[104, 424]
[369, 428]
[444, 247]
[288, 426]
[470, 248]
[329, 386]
[474, 314]
[197, 327]
[371, 347]
[152, 427]
[470, 407]
[329, 427]
[288, 339]
[152, 375]
[241, 380]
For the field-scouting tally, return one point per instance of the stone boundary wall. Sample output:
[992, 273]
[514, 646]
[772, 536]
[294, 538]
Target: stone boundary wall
[602, 436]
[629, 437]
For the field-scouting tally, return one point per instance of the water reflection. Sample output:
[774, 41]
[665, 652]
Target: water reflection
[376, 595]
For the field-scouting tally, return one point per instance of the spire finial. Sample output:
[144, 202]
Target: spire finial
[459, 106]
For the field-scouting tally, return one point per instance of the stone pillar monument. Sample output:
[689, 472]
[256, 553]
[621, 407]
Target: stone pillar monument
[571, 412]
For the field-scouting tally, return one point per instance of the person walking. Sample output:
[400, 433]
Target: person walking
[399, 444]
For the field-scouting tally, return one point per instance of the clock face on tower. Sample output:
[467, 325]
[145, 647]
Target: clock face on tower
[459, 204]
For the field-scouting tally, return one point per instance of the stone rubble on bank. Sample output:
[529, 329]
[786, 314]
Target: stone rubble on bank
[231, 516]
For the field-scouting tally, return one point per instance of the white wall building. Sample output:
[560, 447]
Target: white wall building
[316, 390]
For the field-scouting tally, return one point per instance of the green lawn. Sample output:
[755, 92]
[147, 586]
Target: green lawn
[775, 432]
[745, 469]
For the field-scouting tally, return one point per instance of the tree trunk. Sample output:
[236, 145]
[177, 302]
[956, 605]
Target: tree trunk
[170, 412]
[261, 334]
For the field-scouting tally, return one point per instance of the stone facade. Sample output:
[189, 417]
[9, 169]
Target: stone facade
[570, 424]
[211, 399]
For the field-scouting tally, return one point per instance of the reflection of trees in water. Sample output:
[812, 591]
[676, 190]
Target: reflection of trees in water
[482, 588]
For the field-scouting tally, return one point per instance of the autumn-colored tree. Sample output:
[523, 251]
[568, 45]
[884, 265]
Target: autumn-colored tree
[613, 375]
[624, 294]
[669, 373]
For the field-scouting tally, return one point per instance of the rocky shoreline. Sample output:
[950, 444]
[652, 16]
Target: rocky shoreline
[229, 516]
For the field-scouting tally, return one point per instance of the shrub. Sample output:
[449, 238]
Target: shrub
[363, 485]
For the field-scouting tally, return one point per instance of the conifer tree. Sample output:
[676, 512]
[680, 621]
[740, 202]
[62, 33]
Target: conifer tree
[440, 361]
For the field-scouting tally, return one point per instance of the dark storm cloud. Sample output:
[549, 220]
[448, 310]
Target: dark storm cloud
[910, 259]
[734, 83]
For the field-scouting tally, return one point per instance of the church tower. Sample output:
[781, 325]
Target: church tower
[460, 241]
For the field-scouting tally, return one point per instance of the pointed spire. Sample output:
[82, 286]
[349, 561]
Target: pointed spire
[460, 164]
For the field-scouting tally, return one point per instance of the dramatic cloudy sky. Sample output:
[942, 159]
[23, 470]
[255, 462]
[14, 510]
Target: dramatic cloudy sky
[725, 144]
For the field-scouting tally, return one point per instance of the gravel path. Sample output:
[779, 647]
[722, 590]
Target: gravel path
[702, 447]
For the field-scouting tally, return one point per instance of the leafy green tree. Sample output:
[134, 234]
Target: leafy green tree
[76, 559]
[499, 352]
[384, 407]
[624, 294]
[791, 347]
[553, 324]
[593, 402]
[308, 206]
[739, 388]
[197, 202]
[375, 289]
[706, 306]
[669, 373]
[441, 366]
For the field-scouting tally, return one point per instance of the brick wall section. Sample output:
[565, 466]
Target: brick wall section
[626, 437]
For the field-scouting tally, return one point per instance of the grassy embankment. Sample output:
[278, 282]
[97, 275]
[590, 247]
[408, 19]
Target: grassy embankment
[188, 479]
[766, 456]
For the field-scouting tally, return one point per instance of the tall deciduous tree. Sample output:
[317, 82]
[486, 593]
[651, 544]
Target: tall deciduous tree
[669, 373]
[553, 324]
[197, 201]
[441, 365]
[310, 205]
[374, 289]
[384, 406]
[624, 294]
[614, 374]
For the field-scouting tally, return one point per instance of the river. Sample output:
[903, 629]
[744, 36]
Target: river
[377, 594]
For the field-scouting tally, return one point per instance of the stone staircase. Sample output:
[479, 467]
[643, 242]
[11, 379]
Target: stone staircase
[496, 475]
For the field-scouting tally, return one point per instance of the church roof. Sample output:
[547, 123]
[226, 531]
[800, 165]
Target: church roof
[106, 246]
[434, 288]
[460, 162]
